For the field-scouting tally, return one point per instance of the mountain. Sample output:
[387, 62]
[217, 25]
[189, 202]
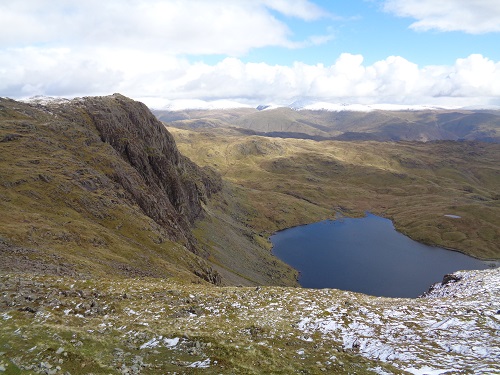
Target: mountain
[119, 255]
[97, 186]
[344, 123]
[78, 177]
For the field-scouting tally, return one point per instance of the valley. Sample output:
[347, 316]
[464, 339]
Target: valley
[129, 246]
[346, 125]
[290, 182]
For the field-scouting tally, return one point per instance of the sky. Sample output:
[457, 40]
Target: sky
[410, 52]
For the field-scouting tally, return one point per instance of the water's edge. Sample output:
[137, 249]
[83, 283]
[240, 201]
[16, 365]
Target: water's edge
[368, 262]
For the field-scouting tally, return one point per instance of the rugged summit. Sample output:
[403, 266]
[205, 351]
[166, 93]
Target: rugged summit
[99, 178]
[172, 188]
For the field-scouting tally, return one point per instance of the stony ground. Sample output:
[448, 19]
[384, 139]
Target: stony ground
[53, 325]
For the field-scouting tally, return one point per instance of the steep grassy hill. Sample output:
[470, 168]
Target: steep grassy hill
[481, 125]
[96, 186]
[292, 182]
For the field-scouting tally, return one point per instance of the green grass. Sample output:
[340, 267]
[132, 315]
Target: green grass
[287, 182]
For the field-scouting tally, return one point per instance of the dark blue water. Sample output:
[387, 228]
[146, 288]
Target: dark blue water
[366, 255]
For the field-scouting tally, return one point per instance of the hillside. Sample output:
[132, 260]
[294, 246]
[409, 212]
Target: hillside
[96, 186]
[292, 182]
[56, 325]
[119, 255]
[378, 125]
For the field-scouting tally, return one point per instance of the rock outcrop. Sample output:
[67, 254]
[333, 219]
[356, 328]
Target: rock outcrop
[98, 183]
[171, 187]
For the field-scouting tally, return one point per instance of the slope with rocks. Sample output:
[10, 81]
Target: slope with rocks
[52, 325]
[96, 186]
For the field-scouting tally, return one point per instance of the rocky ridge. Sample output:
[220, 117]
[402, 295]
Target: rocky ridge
[52, 325]
[176, 187]
[98, 182]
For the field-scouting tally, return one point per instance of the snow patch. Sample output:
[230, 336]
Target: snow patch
[427, 371]
[45, 100]
[160, 341]
[201, 364]
[6, 316]
[348, 107]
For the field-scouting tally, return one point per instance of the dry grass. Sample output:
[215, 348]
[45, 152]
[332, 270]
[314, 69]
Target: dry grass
[288, 182]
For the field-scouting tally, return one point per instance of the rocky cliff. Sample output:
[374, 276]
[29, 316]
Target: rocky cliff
[97, 185]
[168, 187]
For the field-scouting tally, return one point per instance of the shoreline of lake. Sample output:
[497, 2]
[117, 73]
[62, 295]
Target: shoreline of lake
[384, 230]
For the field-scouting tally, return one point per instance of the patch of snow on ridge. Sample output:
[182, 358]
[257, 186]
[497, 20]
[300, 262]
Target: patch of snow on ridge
[158, 341]
[486, 107]
[337, 107]
[45, 100]
[427, 371]
[454, 328]
[340, 107]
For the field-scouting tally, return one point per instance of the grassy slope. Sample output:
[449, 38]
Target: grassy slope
[237, 252]
[63, 211]
[290, 182]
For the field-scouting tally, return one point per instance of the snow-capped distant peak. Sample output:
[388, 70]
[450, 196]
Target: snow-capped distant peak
[482, 107]
[337, 107]
[266, 107]
[340, 107]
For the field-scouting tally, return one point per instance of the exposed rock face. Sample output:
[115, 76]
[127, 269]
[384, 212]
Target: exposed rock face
[176, 187]
[98, 183]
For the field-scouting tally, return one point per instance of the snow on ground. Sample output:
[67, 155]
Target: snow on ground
[201, 364]
[45, 100]
[340, 107]
[160, 341]
[454, 328]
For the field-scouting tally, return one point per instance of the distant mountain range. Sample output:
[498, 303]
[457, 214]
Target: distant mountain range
[323, 121]
[162, 104]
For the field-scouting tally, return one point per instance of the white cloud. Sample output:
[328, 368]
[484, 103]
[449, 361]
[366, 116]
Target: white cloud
[471, 80]
[67, 48]
[34, 71]
[170, 26]
[470, 16]
[62, 72]
[303, 9]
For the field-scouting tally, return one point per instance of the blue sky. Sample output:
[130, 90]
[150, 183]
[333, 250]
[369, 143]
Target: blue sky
[408, 52]
[363, 27]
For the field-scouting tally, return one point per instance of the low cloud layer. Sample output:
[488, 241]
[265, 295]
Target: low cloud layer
[61, 72]
[145, 50]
